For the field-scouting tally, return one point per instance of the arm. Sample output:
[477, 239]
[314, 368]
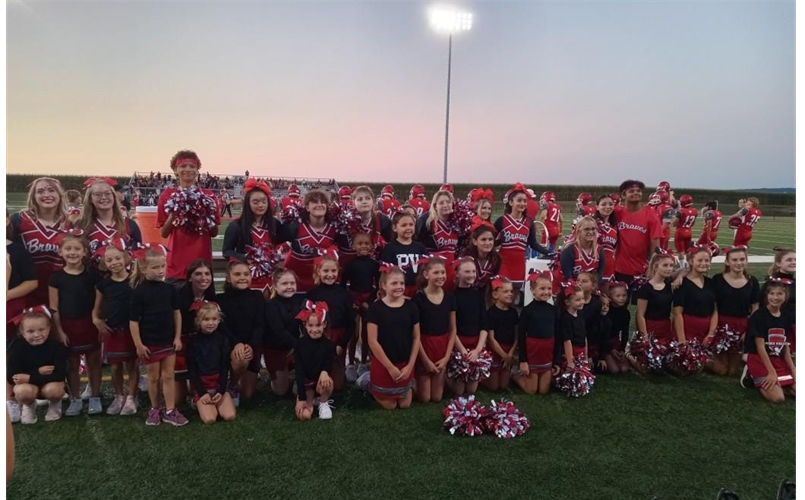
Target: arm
[532, 240]
[177, 329]
[224, 362]
[494, 345]
[97, 313]
[59, 369]
[567, 260]
[53, 295]
[561, 222]
[276, 330]
[233, 246]
[679, 324]
[415, 348]
[771, 376]
[192, 371]
[259, 325]
[22, 289]
[377, 350]
[301, 394]
[640, 319]
[134, 231]
[568, 346]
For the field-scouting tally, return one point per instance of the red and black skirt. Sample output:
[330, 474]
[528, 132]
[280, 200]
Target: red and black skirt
[661, 328]
[434, 347]
[158, 353]
[540, 354]
[497, 361]
[758, 370]
[696, 326]
[210, 384]
[81, 334]
[469, 343]
[119, 345]
[382, 386]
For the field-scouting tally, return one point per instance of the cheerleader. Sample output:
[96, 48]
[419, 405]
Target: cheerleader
[393, 333]
[20, 280]
[481, 200]
[314, 234]
[208, 361]
[282, 329]
[594, 312]
[111, 317]
[737, 297]
[403, 251]
[360, 278]
[436, 233]
[102, 219]
[572, 328]
[472, 322]
[536, 338]
[437, 313]
[481, 248]
[618, 320]
[655, 302]
[551, 216]
[341, 320]
[416, 199]
[582, 253]
[768, 355]
[746, 217]
[515, 233]
[243, 313]
[503, 320]
[695, 313]
[72, 298]
[607, 220]
[36, 367]
[373, 223]
[785, 267]
[254, 232]
[155, 323]
[313, 358]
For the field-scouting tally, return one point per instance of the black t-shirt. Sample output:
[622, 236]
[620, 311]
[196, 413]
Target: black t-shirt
[736, 302]
[22, 265]
[312, 356]
[597, 325]
[619, 321]
[243, 316]
[282, 327]
[775, 331]
[152, 306]
[360, 275]
[573, 329]
[659, 302]
[699, 302]
[404, 257]
[341, 313]
[434, 318]
[76, 293]
[116, 299]
[504, 324]
[24, 358]
[471, 315]
[395, 327]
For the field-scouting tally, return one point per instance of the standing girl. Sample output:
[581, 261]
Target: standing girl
[437, 314]
[482, 206]
[482, 249]
[156, 327]
[515, 233]
[607, 235]
[695, 313]
[72, 298]
[102, 219]
[111, 317]
[436, 233]
[282, 329]
[472, 322]
[655, 302]
[360, 278]
[503, 320]
[393, 333]
[618, 320]
[314, 357]
[538, 345]
[582, 253]
[403, 251]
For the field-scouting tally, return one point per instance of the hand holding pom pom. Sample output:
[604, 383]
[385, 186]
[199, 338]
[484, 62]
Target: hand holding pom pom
[577, 381]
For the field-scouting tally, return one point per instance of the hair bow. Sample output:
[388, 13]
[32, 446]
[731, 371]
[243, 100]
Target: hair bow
[252, 184]
[197, 305]
[118, 243]
[698, 248]
[569, 288]
[478, 223]
[385, 267]
[330, 252]
[92, 180]
[662, 252]
[73, 232]
[36, 309]
[533, 277]
[737, 248]
[424, 260]
[616, 284]
[496, 282]
[139, 254]
[478, 194]
[458, 262]
[784, 281]
[319, 309]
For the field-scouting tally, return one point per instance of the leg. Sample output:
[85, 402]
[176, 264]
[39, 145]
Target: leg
[423, 388]
[9, 392]
[133, 369]
[387, 404]
[364, 343]
[504, 377]
[637, 366]
[733, 363]
[528, 383]
[117, 378]
[226, 408]
[73, 377]
[544, 382]
[338, 372]
[168, 389]
[437, 387]
[455, 386]
[307, 414]
[207, 412]
[53, 391]
[471, 387]
[179, 390]
[239, 367]
[493, 382]
[152, 370]
[26, 393]
[353, 342]
[248, 384]
[406, 401]
[718, 365]
[94, 372]
[280, 383]
[775, 394]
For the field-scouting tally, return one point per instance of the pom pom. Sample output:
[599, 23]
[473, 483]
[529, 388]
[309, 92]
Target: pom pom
[726, 340]
[345, 219]
[461, 218]
[462, 369]
[647, 351]
[262, 259]
[294, 213]
[504, 420]
[578, 381]
[457, 367]
[192, 210]
[464, 416]
[686, 358]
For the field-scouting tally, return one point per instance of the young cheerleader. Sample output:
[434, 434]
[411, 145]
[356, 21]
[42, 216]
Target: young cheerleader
[111, 317]
[594, 312]
[435, 232]
[156, 327]
[341, 320]
[481, 248]
[607, 221]
[572, 328]
[72, 298]
[282, 328]
[36, 366]
[360, 278]
[502, 339]
[655, 302]
[374, 223]
[393, 333]
[483, 211]
[437, 314]
[243, 313]
[208, 363]
[785, 267]
[618, 321]
[538, 338]
[768, 356]
[472, 322]
[314, 356]
[695, 314]
[403, 251]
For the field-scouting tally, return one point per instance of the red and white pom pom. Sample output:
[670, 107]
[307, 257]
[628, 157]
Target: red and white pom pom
[689, 357]
[458, 367]
[578, 381]
[192, 209]
[726, 340]
[263, 258]
[464, 416]
[480, 369]
[293, 213]
[345, 219]
[647, 351]
[504, 420]
[461, 218]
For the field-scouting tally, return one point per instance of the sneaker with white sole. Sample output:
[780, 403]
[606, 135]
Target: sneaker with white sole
[54, 411]
[364, 368]
[117, 405]
[42, 402]
[13, 411]
[28, 414]
[325, 412]
[154, 417]
[130, 406]
[363, 381]
[173, 417]
[95, 406]
[87, 393]
[746, 379]
[76, 405]
[351, 374]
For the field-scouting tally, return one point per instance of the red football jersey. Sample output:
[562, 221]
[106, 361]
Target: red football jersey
[552, 213]
[287, 201]
[389, 206]
[749, 217]
[687, 217]
[421, 205]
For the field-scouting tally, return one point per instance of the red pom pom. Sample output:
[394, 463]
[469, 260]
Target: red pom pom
[464, 416]
[504, 420]
[578, 381]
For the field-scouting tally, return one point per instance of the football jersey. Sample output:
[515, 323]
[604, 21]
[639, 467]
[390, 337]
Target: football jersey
[389, 206]
[421, 205]
[687, 217]
[749, 217]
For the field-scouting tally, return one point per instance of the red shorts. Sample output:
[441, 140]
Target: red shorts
[360, 297]
[661, 328]
[553, 233]
[469, 343]
[81, 333]
[335, 334]
[540, 354]
[277, 360]
[119, 346]
[434, 347]
[382, 386]
[210, 383]
[497, 361]
[742, 238]
[696, 326]
[758, 370]
[682, 240]
[158, 353]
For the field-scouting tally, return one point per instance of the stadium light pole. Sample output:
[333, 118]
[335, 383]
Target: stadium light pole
[447, 20]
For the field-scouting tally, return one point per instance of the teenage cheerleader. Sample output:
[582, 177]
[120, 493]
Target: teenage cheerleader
[20, 280]
[481, 248]
[208, 363]
[472, 322]
[314, 357]
[72, 298]
[684, 219]
[102, 219]
[254, 231]
[373, 222]
[582, 253]
[111, 317]
[594, 311]
[282, 329]
[341, 320]
[768, 355]
[515, 233]
[481, 200]
[360, 278]
[785, 267]
[551, 216]
[572, 328]
[393, 333]
[737, 297]
[607, 221]
[537, 337]
[695, 313]
[618, 321]
[502, 339]
[403, 251]
[749, 215]
[435, 232]
[155, 323]
[416, 199]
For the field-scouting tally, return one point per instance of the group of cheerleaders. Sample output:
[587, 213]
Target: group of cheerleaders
[409, 290]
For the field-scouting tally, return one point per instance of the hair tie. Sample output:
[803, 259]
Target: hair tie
[330, 252]
[319, 309]
[35, 309]
[198, 303]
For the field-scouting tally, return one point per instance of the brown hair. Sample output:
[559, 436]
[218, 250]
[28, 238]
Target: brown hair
[73, 196]
[34, 315]
[654, 261]
[421, 281]
[727, 260]
[472, 250]
[779, 255]
[562, 302]
[229, 267]
[184, 154]
[277, 275]
[384, 278]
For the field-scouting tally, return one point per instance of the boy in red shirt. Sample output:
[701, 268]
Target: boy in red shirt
[639, 233]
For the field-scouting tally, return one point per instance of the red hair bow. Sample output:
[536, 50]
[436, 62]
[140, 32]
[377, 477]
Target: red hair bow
[92, 180]
[662, 252]
[698, 248]
[569, 288]
[737, 248]
[496, 282]
[458, 262]
[533, 277]
[478, 194]
[784, 281]
[424, 260]
[318, 308]
[330, 252]
[616, 284]
[139, 254]
[385, 267]
[518, 187]
[118, 243]
[197, 305]
[40, 309]
[252, 184]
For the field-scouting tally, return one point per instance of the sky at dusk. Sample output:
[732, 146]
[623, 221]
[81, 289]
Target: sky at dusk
[699, 93]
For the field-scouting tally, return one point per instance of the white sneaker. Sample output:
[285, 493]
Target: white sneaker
[130, 407]
[13, 411]
[143, 384]
[87, 393]
[325, 412]
[28, 414]
[364, 368]
[54, 411]
[515, 372]
[41, 402]
[76, 405]
[363, 381]
[117, 405]
[95, 406]
[351, 374]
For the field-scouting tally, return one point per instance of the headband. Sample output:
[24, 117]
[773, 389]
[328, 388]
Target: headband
[118, 243]
[385, 268]
[424, 260]
[698, 248]
[180, 161]
[319, 309]
[36, 309]
[92, 180]
[252, 184]
[737, 248]
[139, 254]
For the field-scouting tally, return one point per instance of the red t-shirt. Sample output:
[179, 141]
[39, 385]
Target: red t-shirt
[532, 208]
[635, 232]
[185, 247]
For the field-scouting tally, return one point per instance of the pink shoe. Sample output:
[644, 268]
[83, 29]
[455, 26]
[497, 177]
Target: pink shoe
[153, 417]
[173, 417]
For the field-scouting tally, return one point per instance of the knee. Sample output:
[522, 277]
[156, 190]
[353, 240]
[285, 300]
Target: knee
[776, 397]
[228, 417]
[53, 390]
[405, 403]
[167, 378]
[25, 392]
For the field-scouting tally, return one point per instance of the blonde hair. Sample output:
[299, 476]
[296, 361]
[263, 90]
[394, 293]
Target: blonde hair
[365, 190]
[432, 215]
[33, 206]
[779, 255]
[89, 214]
[655, 261]
[202, 311]
[588, 219]
[137, 277]
[277, 275]
[755, 202]
[319, 264]
[384, 277]
[460, 262]
[126, 257]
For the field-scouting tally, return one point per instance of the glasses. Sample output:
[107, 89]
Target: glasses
[103, 194]
[590, 229]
